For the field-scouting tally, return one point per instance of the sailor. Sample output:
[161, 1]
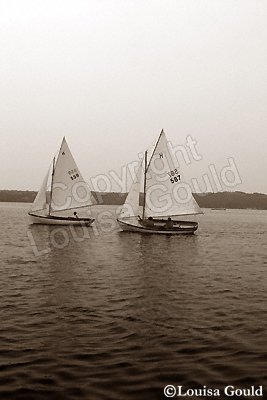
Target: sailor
[169, 224]
[150, 222]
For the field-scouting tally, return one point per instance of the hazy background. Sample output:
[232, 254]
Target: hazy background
[110, 74]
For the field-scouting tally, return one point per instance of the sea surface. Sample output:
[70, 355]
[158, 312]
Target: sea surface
[97, 314]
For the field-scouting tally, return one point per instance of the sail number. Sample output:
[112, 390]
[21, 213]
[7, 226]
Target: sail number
[73, 174]
[174, 176]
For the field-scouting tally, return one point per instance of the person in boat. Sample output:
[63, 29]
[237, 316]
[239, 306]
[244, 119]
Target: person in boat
[169, 224]
[150, 222]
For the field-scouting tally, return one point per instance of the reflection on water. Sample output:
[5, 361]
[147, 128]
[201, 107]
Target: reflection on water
[108, 315]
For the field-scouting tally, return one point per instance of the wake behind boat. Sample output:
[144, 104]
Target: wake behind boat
[64, 197]
[162, 203]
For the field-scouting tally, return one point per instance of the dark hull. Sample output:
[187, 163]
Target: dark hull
[54, 220]
[179, 228]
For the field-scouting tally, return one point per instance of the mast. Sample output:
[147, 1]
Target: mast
[53, 172]
[144, 203]
[51, 188]
[146, 169]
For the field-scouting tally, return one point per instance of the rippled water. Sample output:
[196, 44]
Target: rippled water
[120, 315]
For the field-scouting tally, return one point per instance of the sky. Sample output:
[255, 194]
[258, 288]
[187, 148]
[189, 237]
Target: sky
[109, 75]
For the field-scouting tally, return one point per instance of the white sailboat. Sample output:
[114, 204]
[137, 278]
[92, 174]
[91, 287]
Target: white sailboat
[64, 198]
[162, 202]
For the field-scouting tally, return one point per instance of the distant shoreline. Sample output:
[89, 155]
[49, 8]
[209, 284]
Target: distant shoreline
[220, 200]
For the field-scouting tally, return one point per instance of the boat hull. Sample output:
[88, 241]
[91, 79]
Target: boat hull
[52, 220]
[180, 228]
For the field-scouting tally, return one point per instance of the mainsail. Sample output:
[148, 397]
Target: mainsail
[68, 190]
[166, 193]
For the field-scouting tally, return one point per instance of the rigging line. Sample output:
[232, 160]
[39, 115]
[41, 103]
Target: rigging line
[144, 203]
[155, 149]
[51, 188]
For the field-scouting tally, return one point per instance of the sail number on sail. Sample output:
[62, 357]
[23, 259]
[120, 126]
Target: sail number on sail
[73, 174]
[174, 176]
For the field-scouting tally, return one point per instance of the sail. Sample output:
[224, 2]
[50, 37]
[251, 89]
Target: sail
[166, 192]
[131, 205]
[69, 190]
[40, 202]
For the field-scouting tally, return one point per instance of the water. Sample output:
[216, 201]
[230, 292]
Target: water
[120, 315]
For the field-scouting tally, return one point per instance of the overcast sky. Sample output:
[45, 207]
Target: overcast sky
[109, 74]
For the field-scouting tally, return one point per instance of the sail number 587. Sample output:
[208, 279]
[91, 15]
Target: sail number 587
[174, 176]
[175, 179]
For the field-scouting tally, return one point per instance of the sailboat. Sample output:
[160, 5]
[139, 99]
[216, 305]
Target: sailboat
[64, 197]
[162, 203]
